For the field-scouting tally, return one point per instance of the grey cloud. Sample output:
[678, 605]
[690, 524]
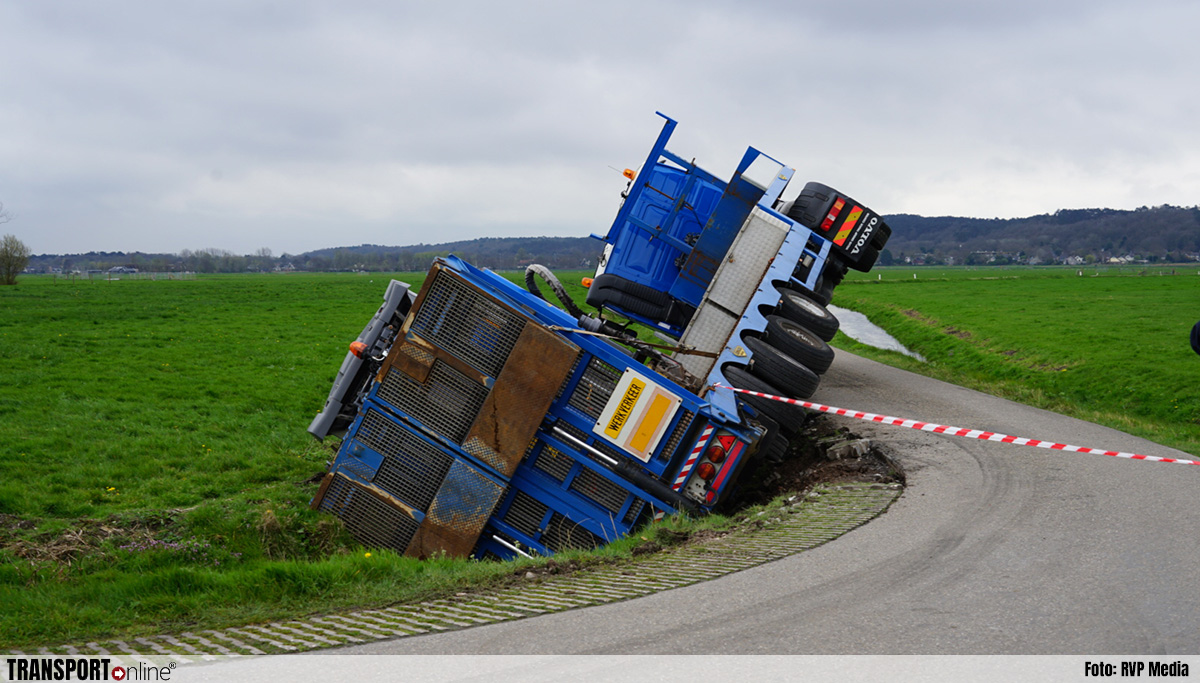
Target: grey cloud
[236, 125]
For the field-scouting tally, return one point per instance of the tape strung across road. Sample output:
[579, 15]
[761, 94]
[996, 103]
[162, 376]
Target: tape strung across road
[957, 431]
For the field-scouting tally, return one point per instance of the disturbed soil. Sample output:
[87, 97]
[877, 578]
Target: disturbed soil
[819, 453]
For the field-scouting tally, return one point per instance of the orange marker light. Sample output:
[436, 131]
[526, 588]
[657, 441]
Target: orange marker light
[586, 282]
[629, 173]
[359, 349]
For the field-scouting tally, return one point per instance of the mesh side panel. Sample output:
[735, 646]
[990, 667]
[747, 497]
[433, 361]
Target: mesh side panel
[600, 490]
[412, 470]
[685, 421]
[554, 463]
[635, 510]
[563, 534]
[369, 520]
[597, 384]
[526, 514]
[468, 323]
[570, 374]
[447, 402]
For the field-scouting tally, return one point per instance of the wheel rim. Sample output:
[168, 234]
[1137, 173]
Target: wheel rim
[808, 305]
[800, 334]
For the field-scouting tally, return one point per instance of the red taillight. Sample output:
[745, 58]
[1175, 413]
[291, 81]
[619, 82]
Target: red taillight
[359, 349]
[706, 471]
[715, 454]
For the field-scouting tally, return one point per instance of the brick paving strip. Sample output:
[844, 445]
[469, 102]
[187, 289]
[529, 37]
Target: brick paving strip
[792, 528]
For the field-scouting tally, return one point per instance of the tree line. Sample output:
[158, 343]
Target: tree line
[1158, 234]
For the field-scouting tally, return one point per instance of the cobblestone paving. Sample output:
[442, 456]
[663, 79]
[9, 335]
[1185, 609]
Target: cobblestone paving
[785, 531]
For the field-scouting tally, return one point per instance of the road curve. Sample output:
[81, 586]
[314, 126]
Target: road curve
[993, 549]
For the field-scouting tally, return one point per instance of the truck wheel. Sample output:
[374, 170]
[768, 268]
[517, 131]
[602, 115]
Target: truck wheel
[798, 342]
[800, 308]
[785, 372]
[867, 261]
[789, 417]
[880, 238]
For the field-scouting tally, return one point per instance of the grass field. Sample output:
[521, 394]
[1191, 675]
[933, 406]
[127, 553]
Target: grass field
[1110, 345]
[155, 470]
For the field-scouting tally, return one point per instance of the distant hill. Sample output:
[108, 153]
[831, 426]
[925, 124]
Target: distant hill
[1163, 233]
[500, 253]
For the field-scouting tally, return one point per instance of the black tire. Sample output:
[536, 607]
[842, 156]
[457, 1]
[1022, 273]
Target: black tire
[1196, 337]
[802, 308]
[774, 448]
[867, 261]
[789, 417]
[824, 292]
[772, 365]
[798, 342]
[881, 236]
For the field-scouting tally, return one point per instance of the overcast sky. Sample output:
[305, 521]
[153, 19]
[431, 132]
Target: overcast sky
[153, 126]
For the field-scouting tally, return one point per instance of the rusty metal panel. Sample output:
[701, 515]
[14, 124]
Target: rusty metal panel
[462, 506]
[539, 364]
[410, 357]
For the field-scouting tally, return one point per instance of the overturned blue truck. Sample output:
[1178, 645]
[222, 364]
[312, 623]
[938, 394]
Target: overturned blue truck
[480, 419]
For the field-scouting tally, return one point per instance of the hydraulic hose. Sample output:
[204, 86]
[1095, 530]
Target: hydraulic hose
[544, 272]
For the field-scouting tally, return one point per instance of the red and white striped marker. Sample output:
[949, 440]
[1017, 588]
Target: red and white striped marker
[957, 431]
[688, 465]
[692, 458]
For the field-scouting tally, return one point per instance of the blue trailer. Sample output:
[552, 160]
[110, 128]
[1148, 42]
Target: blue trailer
[480, 419]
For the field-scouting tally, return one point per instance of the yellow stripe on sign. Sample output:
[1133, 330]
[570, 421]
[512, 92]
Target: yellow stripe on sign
[617, 423]
[844, 231]
[648, 427]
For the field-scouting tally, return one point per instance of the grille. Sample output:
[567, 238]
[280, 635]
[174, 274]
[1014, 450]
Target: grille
[369, 520]
[597, 384]
[563, 534]
[412, 470]
[635, 511]
[685, 421]
[554, 463]
[526, 514]
[447, 402]
[468, 324]
[600, 490]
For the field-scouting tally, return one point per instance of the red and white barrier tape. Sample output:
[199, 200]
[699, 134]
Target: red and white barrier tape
[958, 431]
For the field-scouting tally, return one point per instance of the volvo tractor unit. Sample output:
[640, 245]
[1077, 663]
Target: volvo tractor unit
[480, 419]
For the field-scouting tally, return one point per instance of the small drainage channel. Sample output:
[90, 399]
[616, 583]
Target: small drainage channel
[860, 328]
[812, 520]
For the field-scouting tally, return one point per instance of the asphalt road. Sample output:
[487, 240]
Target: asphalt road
[993, 549]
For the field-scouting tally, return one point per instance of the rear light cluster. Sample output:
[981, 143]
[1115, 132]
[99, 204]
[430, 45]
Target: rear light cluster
[709, 470]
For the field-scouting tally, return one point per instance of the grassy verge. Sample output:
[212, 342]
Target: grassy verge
[155, 472]
[1108, 346]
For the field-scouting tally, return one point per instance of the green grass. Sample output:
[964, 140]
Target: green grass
[1110, 346]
